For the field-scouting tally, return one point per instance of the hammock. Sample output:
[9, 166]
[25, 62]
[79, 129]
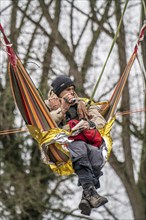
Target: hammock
[36, 115]
[52, 140]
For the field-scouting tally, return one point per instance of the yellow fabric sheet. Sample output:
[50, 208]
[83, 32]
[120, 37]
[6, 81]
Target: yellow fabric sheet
[63, 168]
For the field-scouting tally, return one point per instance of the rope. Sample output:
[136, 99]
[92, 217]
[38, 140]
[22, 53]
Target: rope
[13, 131]
[114, 40]
[4, 45]
[20, 130]
[130, 112]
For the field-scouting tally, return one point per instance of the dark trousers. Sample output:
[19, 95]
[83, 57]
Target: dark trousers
[87, 162]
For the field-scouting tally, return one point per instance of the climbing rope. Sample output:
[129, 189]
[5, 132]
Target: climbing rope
[114, 40]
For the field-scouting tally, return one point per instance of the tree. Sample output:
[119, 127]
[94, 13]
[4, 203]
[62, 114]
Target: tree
[63, 37]
[125, 170]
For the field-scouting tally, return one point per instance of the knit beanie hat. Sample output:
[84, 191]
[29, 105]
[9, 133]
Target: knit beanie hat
[61, 83]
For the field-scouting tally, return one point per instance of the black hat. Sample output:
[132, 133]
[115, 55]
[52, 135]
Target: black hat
[61, 83]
